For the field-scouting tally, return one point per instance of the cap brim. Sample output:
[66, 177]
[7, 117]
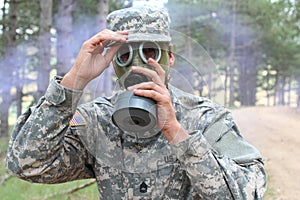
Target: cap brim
[136, 37]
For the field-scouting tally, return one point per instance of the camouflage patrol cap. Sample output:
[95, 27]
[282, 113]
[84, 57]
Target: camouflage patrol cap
[143, 23]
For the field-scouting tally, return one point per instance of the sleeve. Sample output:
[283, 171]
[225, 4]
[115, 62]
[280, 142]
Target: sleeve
[220, 163]
[42, 147]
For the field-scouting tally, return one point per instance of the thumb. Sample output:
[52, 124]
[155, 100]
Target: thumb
[111, 51]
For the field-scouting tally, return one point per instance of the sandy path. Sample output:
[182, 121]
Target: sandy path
[275, 131]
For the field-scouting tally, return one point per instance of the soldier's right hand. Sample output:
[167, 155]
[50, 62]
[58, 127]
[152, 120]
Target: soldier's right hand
[92, 60]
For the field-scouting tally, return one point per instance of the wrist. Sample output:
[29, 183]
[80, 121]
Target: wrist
[176, 133]
[60, 96]
[73, 82]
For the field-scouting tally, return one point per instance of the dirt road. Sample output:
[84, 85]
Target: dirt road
[275, 131]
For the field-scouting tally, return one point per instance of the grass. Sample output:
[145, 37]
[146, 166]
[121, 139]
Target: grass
[17, 189]
[270, 193]
[14, 188]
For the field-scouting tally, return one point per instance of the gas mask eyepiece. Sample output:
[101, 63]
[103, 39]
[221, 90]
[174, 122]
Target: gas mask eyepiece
[150, 50]
[124, 56]
[146, 50]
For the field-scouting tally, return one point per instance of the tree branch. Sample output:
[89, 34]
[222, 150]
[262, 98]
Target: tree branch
[72, 190]
[4, 178]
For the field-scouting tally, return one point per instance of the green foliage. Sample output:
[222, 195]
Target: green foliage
[115, 5]
[266, 33]
[87, 7]
[280, 45]
[28, 18]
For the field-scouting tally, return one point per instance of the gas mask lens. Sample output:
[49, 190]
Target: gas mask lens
[146, 50]
[124, 55]
[149, 50]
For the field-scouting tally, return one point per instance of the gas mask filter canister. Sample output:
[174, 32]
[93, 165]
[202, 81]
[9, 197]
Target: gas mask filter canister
[134, 113]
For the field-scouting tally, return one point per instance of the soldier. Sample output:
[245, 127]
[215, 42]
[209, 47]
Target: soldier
[180, 147]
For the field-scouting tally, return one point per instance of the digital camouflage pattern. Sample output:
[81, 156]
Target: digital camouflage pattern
[143, 23]
[215, 162]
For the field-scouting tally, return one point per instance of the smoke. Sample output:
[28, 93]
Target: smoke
[14, 65]
[19, 63]
[199, 18]
[22, 61]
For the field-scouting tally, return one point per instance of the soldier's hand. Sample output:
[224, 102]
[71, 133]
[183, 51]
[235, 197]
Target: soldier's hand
[93, 58]
[157, 90]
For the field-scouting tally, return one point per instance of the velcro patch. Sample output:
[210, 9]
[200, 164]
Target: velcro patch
[77, 120]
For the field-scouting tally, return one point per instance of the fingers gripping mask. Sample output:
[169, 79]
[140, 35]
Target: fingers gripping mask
[135, 113]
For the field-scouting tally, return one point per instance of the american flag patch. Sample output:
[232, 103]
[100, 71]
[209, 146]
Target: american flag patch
[77, 119]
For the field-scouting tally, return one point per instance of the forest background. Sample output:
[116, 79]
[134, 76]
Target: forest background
[236, 52]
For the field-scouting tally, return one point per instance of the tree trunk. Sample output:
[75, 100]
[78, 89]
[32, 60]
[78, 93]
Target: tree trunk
[252, 76]
[247, 76]
[44, 46]
[188, 51]
[268, 86]
[19, 93]
[275, 89]
[281, 91]
[289, 91]
[298, 92]
[105, 80]
[5, 104]
[8, 64]
[102, 13]
[64, 36]
[19, 84]
[232, 56]
[225, 85]
[243, 78]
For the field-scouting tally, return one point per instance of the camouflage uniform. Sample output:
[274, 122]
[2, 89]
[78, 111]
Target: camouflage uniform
[215, 162]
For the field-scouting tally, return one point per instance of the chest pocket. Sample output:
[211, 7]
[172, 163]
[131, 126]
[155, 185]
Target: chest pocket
[169, 178]
[163, 183]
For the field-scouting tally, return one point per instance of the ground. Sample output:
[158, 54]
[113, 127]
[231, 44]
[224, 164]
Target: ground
[275, 131]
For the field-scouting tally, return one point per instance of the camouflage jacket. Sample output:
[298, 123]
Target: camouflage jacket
[215, 162]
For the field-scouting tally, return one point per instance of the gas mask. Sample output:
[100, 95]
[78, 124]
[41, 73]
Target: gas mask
[132, 113]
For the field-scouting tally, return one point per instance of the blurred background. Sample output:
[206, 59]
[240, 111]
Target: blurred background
[244, 54]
